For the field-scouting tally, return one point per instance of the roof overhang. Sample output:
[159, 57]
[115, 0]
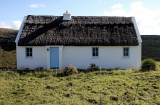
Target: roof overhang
[21, 28]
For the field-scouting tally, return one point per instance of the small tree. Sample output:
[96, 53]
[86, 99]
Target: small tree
[148, 64]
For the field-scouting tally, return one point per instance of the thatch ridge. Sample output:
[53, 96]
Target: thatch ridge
[79, 31]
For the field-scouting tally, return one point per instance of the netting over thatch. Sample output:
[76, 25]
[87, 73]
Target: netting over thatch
[79, 31]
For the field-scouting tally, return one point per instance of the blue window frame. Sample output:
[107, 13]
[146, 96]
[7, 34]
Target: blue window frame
[95, 51]
[126, 52]
[29, 52]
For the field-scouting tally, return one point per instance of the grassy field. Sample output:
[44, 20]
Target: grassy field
[8, 33]
[7, 49]
[100, 87]
[7, 55]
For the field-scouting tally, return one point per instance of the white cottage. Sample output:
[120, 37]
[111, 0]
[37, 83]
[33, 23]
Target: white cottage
[59, 41]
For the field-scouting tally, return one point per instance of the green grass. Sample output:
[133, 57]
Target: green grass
[7, 49]
[8, 33]
[99, 87]
[7, 55]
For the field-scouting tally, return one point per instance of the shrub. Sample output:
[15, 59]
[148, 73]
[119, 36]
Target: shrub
[148, 64]
[93, 67]
[70, 70]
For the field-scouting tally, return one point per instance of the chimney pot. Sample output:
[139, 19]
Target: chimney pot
[67, 16]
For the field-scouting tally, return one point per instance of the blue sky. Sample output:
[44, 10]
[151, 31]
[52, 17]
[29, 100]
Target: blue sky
[146, 12]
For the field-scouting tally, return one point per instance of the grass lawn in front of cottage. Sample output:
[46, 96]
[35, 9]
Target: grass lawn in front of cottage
[98, 87]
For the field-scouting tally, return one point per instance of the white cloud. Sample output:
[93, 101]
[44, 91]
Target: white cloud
[33, 5]
[148, 20]
[4, 25]
[15, 25]
[36, 5]
[117, 6]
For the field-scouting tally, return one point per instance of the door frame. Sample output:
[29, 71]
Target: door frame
[48, 56]
[54, 59]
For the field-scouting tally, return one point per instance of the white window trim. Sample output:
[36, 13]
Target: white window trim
[26, 52]
[128, 52]
[95, 52]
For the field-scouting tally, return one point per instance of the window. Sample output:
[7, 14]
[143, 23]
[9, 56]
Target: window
[126, 52]
[95, 51]
[28, 52]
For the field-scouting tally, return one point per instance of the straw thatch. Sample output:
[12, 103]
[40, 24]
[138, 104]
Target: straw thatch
[79, 31]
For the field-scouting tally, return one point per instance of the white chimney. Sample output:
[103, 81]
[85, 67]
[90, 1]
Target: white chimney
[67, 16]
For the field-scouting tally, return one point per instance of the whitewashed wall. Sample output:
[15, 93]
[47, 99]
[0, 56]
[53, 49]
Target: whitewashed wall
[109, 57]
[81, 57]
[39, 58]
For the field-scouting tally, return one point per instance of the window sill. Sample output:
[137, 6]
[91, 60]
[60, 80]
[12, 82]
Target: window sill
[29, 57]
[126, 57]
[95, 57]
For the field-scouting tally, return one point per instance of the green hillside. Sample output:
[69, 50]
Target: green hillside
[8, 33]
[151, 46]
[7, 49]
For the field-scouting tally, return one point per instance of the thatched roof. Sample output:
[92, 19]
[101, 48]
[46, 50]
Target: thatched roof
[79, 31]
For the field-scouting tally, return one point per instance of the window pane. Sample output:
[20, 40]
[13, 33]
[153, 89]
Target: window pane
[93, 53]
[30, 49]
[96, 53]
[93, 49]
[30, 54]
[125, 51]
[126, 54]
[96, 49]
[27, 50]
[27, 54]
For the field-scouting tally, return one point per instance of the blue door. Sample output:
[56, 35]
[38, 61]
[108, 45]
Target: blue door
[54, 57]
